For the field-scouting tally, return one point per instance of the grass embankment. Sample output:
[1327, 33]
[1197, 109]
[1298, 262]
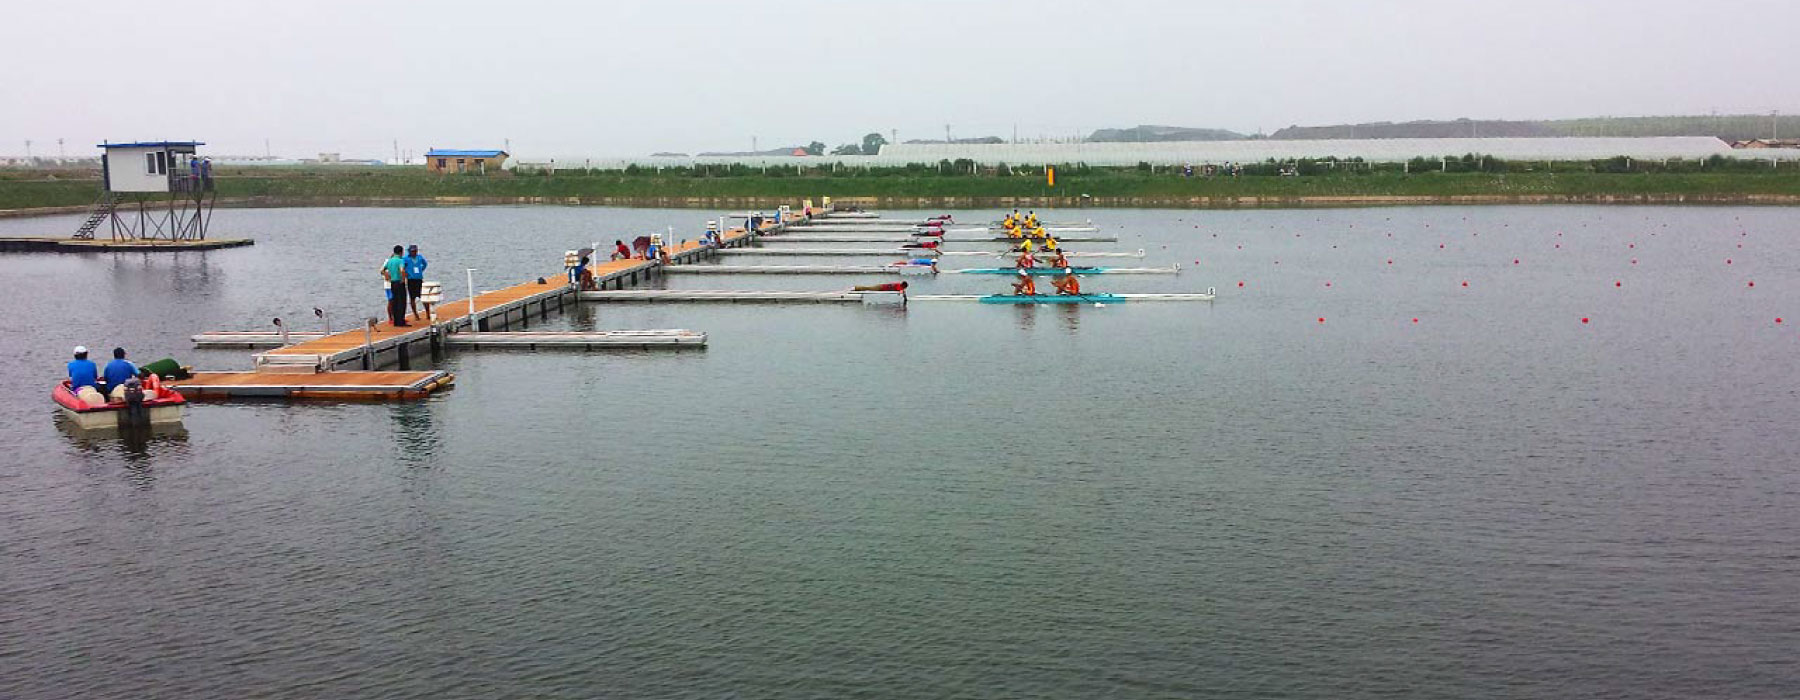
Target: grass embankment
[1122, 187]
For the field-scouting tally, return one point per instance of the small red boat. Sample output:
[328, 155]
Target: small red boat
[164, 408]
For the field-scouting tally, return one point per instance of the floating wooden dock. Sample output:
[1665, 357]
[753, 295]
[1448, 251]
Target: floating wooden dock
[349, 386]
[732, 295]
[250, 339]
[28, 244]
[579, 340]
[517, 305]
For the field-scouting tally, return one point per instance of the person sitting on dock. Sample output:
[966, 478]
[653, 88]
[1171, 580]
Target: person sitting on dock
[1025, 287]
[584, 276]
[640, 247]
[658, 251]
[83, 371]
[119, 371]
[712, 234]
[394, 271]
[620, 250]
[415, 277]
[1066, 283]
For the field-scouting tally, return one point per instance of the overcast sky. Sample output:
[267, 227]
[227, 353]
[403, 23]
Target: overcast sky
[570, 79]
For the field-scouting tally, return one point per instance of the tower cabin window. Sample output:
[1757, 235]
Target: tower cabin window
[150, 163]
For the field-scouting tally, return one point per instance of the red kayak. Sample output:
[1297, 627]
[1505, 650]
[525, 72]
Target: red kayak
[163, 408]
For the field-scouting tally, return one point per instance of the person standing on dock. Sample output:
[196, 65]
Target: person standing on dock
[394, 271]
[415, 277]
[206, 173]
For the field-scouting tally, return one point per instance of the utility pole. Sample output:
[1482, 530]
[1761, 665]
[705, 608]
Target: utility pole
[396, 151]
[1774, 126]
[508, 143]
[947, 138]
[266, 152]
[27, 149]
[59, 150]
[752, 144]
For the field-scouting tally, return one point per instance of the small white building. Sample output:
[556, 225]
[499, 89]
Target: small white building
[149, 166]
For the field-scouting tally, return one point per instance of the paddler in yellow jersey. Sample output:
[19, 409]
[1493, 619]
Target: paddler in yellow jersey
[1066, 283]
[1025, 287]
[1025, 245]
[1050, 243]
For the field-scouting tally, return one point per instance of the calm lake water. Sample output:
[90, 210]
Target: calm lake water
[1149, 500]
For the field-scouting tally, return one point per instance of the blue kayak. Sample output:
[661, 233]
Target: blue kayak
[1053, 299]
[1034, 270]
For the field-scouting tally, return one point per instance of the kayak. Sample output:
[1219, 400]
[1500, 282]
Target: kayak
[1034, 270]
[1053, 299]
[164, 409]
[1077, 270]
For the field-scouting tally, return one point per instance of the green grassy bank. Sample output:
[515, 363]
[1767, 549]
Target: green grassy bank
[1117, 187]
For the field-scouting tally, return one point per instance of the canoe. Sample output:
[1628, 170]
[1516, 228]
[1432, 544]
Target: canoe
[1175, 269]
[1053, 299]
[1096, 298]
[165, 409]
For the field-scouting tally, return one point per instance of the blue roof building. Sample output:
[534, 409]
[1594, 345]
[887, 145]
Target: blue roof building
[454, 160]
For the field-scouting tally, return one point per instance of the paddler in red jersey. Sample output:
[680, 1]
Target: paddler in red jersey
[1066, 283]
[1025, 287]
[1026, 261]
[1060, 260]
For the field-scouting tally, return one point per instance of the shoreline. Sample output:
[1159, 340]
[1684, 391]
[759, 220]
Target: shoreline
[983, 202]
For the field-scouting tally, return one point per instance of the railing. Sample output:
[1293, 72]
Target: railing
[190, 181]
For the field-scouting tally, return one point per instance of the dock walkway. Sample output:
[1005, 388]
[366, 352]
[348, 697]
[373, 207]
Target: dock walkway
[385, 344]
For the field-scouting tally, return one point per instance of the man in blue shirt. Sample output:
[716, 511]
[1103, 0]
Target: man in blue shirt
[394, 271]
[119, 371]
[82, 371]
[415, 276]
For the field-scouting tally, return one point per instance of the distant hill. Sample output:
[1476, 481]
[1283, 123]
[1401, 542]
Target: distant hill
[978, 139]
[1728, 127]
[1148, 132]
[784, 151]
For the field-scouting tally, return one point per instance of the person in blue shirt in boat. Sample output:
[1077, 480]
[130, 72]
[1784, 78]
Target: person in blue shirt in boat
[117, 372]
[83, 371]
[414, 266]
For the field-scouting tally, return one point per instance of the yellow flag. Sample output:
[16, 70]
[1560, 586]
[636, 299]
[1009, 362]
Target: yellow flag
[1050, 176]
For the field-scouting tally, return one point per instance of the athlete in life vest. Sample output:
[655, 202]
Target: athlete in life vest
[1060, 260]
[1050, 243]
[1025, 246]
[1025, 287]
[1066, 283]
[886, 287]
[1026, 261]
